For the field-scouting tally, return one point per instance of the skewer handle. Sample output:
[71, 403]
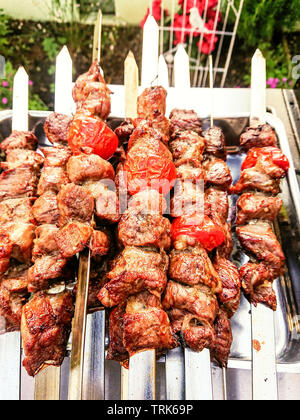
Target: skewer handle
[97, 38]
[131, 80]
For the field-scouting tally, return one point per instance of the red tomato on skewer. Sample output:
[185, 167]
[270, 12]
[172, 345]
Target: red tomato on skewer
[273, 153]
[200, 227]
[89, 134]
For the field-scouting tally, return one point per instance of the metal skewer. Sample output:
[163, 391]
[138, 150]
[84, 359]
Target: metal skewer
[10, 343]
[264, 378]
[47, 382]
[197, 365]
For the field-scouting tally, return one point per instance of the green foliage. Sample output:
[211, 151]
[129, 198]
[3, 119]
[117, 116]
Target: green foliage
[4, 30]
[260, 19]
[6, 91]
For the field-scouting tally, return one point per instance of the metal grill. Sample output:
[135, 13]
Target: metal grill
[203, 27]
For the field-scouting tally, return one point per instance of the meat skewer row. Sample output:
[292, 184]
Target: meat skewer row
[139, 273]
[202, 295]
[68, 189]
[257, 208]
[18, 185]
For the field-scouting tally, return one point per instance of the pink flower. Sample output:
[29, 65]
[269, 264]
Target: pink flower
[5, 83]
[30, 82]
[272, 82]
[4, 101]
[284, 79]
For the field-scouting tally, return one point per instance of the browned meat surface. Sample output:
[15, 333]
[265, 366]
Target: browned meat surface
[56, 156]
[190, 169]
[91, 93]
[45, 271]
[124, 131]
[139, 228]
[20, 157]
[134, 270]
[74, 204]
[18, 210]
[188, 198]
[254, 179]
[260, 240]
[20, 140]
[89, 167]
[257, 284]
[193, 267]
[15, 279]
[45, 329]
[20, 236]
[216, 204]
[45, 210]
[108, 206]
[146, 325]
[11, 307]
[18, 182]
[100, 244]
[52, 179]
[56, 127]
[217, 173]
[225, 250]
[192, 310]
[73, 238]
[260, 136]
[45, 241]
[184, 120]
[149, 201]
[257, 206]
[116, 350]
[229, 297]
[152, 103]
[222, 345]
[187, 145]
[215, 142]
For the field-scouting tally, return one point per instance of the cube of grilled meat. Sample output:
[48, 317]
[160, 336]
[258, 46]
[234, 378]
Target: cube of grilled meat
[135, 270]
[45, 210]
[187, 145]
[45, 271]
[18, 182]
[146, 325]
[117, 350]
[100, 244]
[215, 142]
[52, 179]
[198, 309]
[74, 204]
[257, 284]
[56, 156]
[143, 228]
[20, 140]
[190, 169]
[57, 127]
[82, 168]
[229, 297]
[45, 242]
[260, 136]
[222, 345]
[15, 279]
[152, 103]
[5, 251]
[124, 131]
[217, 173]
[260, 240]
[16, 209]
[91, 93]
[193, 267]
[216, 204]
[73, 238]
[149, 201]
[256, 179]
[20, 236]
[188, 198]
[20, 157]
[108, 206]
[183, 120]
[11, 308]
[225, 250]
[257, 206]
[45, 329]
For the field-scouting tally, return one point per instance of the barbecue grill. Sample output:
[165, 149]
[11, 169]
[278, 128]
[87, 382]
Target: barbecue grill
[176, 379]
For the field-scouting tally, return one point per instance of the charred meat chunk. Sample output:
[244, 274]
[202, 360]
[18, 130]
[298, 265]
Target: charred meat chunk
[152, 103]
[52, 179]
[45, 271]
[222, 345]
[20, 157]
[73, 238]
[45, 241]
[257, 206]
[57, 127]
[217, 173]
[184, 120]
[45, 329]
[260, 136]
[18, 182]
[56, 156]
[215, 142]
[16, 209]
[45, 210]
[187, 145]
[20, 140]
[117, 350]
[89, 167]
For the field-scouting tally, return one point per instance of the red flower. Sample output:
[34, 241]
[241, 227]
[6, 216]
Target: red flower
[181, 21]
[209, 40]
[156, 12]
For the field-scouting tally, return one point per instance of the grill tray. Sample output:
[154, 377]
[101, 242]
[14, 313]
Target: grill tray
[286, 318]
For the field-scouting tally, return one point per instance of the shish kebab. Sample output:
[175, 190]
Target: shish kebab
[66, 226]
